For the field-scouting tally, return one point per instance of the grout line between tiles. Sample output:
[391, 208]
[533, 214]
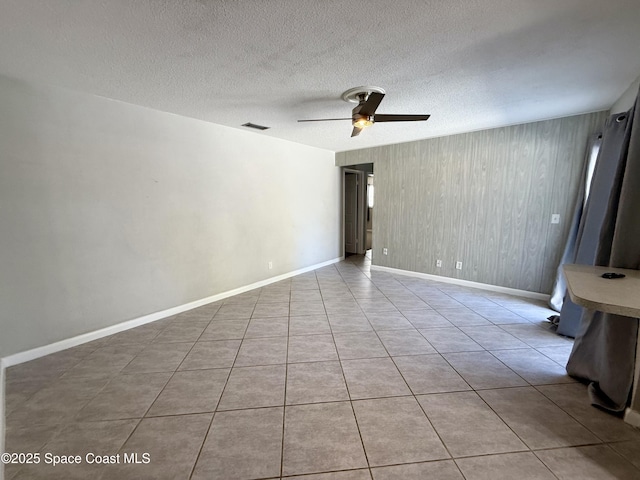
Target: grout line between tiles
[344, 378]
[204, 439]
[349, 280]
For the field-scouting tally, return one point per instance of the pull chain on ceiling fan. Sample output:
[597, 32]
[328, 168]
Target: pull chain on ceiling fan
[363, 115]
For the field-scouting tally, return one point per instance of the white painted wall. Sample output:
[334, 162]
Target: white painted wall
[110, 211]
[625, 102]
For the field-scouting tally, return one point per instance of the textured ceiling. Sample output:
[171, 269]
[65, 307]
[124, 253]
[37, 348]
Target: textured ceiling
[471, 64]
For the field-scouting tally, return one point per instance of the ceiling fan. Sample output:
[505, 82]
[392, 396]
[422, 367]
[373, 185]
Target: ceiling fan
[364, 114]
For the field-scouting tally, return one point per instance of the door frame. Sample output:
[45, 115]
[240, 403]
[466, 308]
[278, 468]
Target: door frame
[361, 192]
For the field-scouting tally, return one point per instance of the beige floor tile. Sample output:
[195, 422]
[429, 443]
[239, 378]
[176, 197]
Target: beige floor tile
[595, 462]
[98, 438]
[29, 438]
[533, 366]
[359, 345]
[482, 370]
[499, 315]
[349, 323]
[57, 403]
[493, 338]
[468, 426]
[206, 355]
[373, 378]
[225, 329]
[574, 400]
[395, 430]
[315, 382]
[264, 310]
[262, 351]
[159, 357]
[439, 301]
[535, 419]
[17, 394]
[182, 332]
[405, 342]
[450, 340]
[320, 438]
[429, 374]
[139, 335]
[629, 450]
[427, 319]
[173, 444]
[26, 438]
[267, 327]
[243, 444]
[462, 316]
[558, 354]
[340, 307]
[307, 308]
[194, 391]
[125, 396]
[253, 387]
[170, 369]
[51, 366]
[441, 470]
[345, 475]
[241, 310]
[205, 311]
[506, 466]
[309, 325]
[275, 296]
[535, 336]
[306, 296]
[388, 320]
[311, 348]
[108, 360]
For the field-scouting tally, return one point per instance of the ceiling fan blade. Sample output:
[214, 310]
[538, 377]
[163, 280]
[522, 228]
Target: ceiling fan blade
[400, 118]
[369, 107]
[356, 131]
[324, 119]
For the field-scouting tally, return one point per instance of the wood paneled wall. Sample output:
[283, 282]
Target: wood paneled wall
[483, 198]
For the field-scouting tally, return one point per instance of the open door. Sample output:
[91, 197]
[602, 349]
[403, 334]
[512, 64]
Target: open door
[354, 201]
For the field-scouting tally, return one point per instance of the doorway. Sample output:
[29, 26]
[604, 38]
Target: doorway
[357, 209]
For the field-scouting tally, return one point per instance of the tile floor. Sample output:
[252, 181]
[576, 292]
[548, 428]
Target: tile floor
[341, 373]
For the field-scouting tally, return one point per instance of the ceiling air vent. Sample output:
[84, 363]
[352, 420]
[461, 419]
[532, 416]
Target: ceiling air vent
[253, 125]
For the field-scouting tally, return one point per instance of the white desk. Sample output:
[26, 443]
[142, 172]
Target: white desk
[620, 296]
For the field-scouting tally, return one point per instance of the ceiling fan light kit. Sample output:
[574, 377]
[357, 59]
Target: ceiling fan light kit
[363, 115]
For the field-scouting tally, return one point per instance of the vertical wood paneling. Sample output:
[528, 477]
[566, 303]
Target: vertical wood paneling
[482, 198]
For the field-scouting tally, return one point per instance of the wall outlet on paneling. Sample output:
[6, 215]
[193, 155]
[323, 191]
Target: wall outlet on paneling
[555, 218]
[385, 251]
[438, 263]
[458, 265]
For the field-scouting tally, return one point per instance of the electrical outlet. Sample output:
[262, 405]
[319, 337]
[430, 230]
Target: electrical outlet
[555, 218]
[385, 251]
[438, 263]
[270, 265]
[458, 265]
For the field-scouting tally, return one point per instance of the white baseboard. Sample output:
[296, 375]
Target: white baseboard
[38, 352]
[464, 283]
[632, 417]
[88, 337]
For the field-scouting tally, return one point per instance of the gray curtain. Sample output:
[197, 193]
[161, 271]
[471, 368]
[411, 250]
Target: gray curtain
[570, 326]
[605, 346]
